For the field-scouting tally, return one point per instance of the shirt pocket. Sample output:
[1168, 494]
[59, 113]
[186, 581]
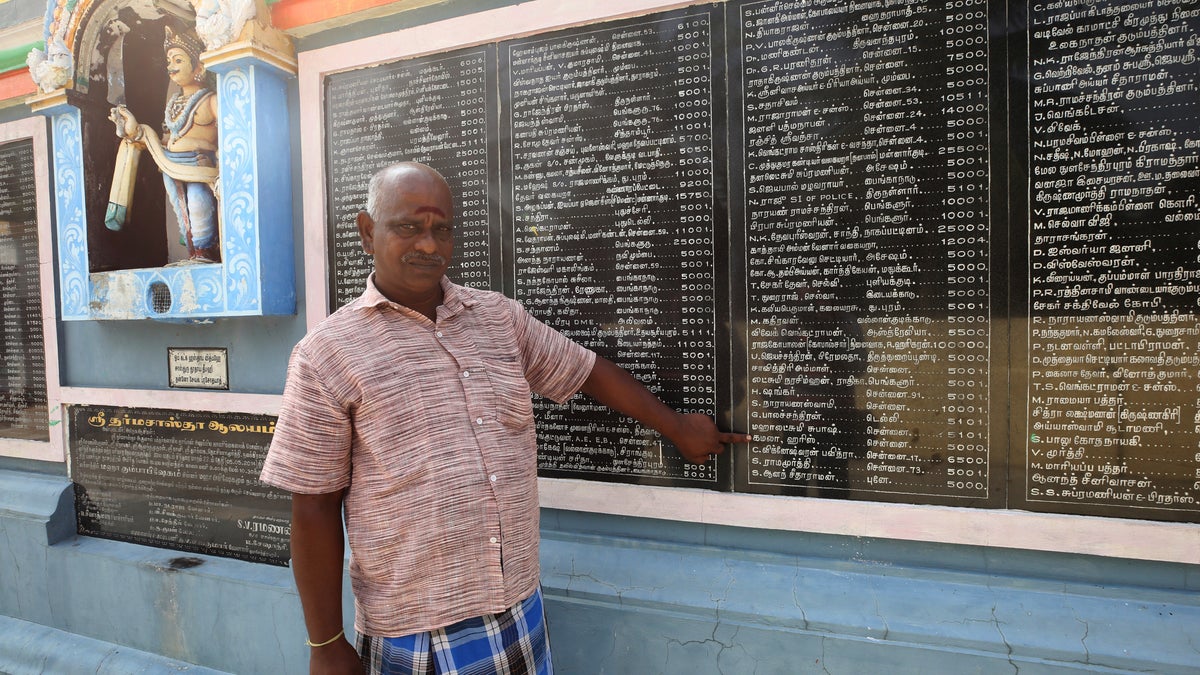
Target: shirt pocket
[392, 423]
[506, 375]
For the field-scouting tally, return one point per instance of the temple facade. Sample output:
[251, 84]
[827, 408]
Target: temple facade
[940, 259]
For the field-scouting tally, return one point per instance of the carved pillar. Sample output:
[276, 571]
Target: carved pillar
[69, 207]
[255, 164]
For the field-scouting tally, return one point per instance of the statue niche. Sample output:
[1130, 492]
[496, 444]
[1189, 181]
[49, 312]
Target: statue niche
[162, 211]
[126, 41]
[140, 213]
[186, 153]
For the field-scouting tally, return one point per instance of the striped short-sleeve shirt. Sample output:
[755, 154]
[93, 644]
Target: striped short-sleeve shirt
[430, 426]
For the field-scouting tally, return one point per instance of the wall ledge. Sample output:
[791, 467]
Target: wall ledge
[995, 528]
[38, 498]
[669, 605]
[33, 648]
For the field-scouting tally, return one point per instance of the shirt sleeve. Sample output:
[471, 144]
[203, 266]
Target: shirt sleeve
[310, 451]
[555, 366]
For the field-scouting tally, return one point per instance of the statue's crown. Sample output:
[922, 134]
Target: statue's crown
[185, 40]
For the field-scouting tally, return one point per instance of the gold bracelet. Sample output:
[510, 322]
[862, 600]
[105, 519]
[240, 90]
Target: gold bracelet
[330, 641]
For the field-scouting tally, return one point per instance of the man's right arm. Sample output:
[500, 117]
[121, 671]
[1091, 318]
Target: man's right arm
[317, 561]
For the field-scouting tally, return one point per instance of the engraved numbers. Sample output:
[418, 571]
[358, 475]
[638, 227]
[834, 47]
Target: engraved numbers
[868, 234]
[23, 409]
[614, 205]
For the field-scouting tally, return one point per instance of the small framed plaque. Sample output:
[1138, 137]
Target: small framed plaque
[198, 368]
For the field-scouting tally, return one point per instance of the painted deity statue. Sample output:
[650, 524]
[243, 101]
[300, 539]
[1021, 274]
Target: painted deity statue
[186, 153]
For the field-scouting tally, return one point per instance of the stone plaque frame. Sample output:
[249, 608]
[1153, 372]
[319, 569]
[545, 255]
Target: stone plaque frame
[34, 129]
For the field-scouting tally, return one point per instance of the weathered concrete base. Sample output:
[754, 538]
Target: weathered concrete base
[623, 595]
[113, 598]
[719, 600]
[32, 649]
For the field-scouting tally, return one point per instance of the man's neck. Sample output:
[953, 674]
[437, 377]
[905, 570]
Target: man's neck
[422, 304]
[429, 309]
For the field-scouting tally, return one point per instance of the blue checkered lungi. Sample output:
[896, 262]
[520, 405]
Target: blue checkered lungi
[512, 642]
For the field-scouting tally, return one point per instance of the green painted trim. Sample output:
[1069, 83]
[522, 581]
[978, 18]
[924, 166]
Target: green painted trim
[14, 58]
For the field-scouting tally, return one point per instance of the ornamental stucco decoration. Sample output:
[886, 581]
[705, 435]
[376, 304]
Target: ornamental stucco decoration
[219, 22]
[52, 68]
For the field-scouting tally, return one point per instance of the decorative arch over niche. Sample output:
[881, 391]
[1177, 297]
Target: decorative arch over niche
[101, 53]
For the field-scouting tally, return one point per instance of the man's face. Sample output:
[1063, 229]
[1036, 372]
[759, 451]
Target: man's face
[412, 241]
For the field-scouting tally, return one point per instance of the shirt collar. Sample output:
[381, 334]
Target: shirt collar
[454, 297]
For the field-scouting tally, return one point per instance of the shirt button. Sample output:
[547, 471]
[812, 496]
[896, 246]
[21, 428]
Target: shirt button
[439, 333]
[466, 373]
[478, 420]
[493, 540]
[493, 478]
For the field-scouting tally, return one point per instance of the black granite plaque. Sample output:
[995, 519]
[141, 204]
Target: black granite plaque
[178, 479]
[864, 132]
[943, 251]
[1113, 413]
[618, 230]
[438, 110]
[23, 412]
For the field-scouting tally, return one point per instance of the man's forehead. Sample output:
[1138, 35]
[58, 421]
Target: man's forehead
[413, 198]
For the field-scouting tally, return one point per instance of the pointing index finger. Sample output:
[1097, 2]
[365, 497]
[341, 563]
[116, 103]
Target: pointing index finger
[728, 438]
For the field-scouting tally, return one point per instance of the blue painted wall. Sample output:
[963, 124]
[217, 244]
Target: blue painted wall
[624, 595]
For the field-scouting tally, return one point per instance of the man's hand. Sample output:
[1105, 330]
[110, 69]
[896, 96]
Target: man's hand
[335, 658]
[698, 438]
[695, 435]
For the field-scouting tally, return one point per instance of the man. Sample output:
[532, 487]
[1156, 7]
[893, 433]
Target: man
[410, 409]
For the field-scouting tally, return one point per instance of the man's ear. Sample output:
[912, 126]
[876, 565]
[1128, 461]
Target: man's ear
[366, 232]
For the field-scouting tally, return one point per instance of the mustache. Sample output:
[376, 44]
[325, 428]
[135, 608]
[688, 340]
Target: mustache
[422, 258]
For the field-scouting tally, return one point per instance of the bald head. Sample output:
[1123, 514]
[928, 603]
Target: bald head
[402, 176]
[408, 230]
